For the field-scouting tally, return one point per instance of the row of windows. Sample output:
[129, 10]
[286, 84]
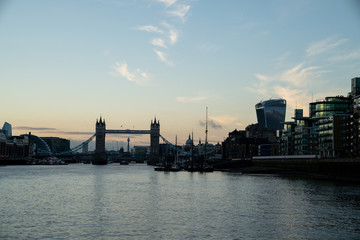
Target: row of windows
[332, 107]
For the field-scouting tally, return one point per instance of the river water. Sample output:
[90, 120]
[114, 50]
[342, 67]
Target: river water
[81, 201]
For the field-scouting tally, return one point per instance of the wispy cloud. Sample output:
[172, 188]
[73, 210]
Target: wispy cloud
[282, 61]
[33, 128]
[298, 75]
[168, 3]
[162, 57]
[191, 99]
[150, 28]
[137, 76]
[324, 46]
[295, 85]
[159, 42]
[173, 35]
[210, 47]
[300, 82]
[170, 34]
[224, 119]
[260, 87]
[211, 123]
[261, 77]
[43, 130]
[347, 56]
[180, 11]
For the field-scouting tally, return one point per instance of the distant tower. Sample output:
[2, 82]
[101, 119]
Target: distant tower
[154, 141]
[7, 130]
[100, 153]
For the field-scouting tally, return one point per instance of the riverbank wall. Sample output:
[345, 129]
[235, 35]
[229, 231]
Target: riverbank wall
[331, 168]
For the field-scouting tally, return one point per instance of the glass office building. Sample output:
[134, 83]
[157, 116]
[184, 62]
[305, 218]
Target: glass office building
[271, 113]
[331, 106]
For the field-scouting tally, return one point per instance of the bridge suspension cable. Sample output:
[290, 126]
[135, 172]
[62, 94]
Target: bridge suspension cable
[78, 147]
[173, 146]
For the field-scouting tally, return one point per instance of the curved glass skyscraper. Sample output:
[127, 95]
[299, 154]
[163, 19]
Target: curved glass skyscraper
[271, 113]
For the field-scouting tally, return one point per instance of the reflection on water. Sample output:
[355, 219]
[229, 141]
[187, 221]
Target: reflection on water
[134, 202]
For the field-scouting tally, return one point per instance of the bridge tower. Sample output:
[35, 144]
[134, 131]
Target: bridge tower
[100, 152]
[154, 141]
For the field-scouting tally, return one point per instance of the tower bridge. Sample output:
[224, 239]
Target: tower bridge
[99, 156]
[101, 131]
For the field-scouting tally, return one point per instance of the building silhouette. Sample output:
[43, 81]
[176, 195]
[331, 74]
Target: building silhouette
[56, 144]
[271, 113]
[330, 131]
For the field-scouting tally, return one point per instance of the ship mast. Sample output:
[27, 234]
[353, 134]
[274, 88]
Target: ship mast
[206, 133]
[176, 151]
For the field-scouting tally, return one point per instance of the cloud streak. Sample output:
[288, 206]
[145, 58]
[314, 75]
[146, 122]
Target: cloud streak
[44, 130]
[173, 36]
[139, 77]
[224, 119]
[298, 75]
[294, 85]
[158, 42]
[162, 57]
[168, 3]
[33, 128]
[348, 56]
[150, 28]
[180, 11]
[191, 99]
[211, 123]
[170, 35]
[324, 46]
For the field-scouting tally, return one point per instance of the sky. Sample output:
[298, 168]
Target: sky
[63, 64]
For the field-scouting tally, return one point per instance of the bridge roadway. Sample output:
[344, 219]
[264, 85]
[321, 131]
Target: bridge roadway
[127, 131]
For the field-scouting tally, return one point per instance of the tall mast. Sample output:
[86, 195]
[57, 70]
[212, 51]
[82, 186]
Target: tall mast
[206, 133]
[176, 151]
[192, 150]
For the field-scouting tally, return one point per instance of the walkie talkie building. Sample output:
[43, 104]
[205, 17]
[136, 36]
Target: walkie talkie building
[271, 113]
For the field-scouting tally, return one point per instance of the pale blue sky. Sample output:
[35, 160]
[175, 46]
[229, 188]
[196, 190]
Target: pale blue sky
[63, 63]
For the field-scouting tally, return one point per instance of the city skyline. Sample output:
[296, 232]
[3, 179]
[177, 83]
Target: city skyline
[63, 64]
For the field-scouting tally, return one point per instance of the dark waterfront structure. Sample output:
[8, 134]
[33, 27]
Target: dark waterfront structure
[13, 147]
[245, 144]
[38, 147]
[300, 136]
[271, 113]
[56, 144]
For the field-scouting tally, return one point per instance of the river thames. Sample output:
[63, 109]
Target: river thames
[82, 201]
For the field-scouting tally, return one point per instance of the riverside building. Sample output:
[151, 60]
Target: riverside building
[331, 130]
